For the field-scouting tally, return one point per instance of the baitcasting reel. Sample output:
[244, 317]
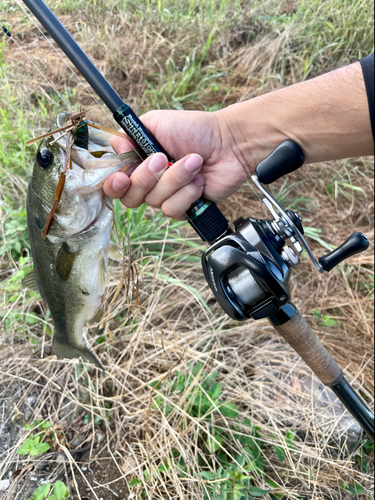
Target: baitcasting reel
[249, 270]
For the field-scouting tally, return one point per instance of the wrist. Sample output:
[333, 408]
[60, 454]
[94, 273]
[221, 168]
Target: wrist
[250, 132]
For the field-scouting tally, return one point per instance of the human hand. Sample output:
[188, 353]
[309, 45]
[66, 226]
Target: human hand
[207, 164]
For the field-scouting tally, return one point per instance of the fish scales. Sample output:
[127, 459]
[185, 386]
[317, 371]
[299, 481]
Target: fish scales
[70, 264]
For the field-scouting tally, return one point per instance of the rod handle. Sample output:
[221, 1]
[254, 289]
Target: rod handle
[298, 333]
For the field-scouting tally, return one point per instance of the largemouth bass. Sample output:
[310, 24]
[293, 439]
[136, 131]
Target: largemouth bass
[70, 264]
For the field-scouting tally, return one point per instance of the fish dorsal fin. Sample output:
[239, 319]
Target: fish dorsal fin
[29, 281]
[114, 252]
[64, 261]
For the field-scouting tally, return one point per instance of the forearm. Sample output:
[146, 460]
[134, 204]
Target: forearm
[327, 116]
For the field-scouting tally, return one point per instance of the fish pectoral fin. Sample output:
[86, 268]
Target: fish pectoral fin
[29, 281]
[114, 252]
[70, 352]
[64, 261]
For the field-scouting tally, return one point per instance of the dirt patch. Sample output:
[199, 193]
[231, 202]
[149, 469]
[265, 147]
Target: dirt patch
[91, 460]
[100, 475]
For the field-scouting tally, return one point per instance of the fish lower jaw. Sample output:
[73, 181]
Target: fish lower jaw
[104, 217]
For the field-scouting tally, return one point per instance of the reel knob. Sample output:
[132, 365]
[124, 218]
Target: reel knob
[357, 243]
[283, 160]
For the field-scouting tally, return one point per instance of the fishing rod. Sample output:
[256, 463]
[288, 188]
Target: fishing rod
[248, 270]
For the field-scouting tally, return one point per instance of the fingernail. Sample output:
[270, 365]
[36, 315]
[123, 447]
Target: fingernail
[194, 163]
[200, 180]
[157, 163]
[119, 184]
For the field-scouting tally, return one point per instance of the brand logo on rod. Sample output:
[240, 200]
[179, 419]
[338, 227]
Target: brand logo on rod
[137, 134]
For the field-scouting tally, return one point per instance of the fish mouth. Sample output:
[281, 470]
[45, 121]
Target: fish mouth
[63, 118]
[99, 153]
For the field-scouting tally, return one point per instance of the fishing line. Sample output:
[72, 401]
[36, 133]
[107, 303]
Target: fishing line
[35, 66]
[133, 148]
[77, 77]
[110, 118]
[71, 69]
[66, 64]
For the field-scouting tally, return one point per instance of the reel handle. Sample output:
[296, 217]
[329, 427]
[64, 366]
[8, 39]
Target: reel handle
[283, 160]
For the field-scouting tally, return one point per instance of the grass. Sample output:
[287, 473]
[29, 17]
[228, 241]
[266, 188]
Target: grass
[59, 491]
[193, 405]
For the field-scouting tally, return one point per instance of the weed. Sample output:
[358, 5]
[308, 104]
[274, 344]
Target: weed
[285, 196]
[325, 320]
[33, 445]
[235, 427]
[203, 396]
[231, 483]
[314, 234]
[288, 447]
[149, 235]
[367, 453]
[97, 420]
[59, 491]
[353, 488]
[15, 236]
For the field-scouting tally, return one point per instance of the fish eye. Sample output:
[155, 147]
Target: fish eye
[44, 158]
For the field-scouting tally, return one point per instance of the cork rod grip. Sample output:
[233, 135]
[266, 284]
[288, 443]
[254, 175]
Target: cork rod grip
[301, 337]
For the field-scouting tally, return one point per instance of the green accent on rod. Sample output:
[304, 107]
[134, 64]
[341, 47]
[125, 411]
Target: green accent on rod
[200, 210]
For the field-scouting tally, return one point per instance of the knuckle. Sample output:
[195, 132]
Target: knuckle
[152, 202]
[176, 206]
[142, 183]
[169, 212]
[194, 191]
[172, 209]
[130, 202]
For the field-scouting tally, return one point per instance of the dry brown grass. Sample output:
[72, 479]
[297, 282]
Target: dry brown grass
[169, 331]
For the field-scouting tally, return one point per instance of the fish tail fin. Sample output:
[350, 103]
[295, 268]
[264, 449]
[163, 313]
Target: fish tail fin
[69, 351]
